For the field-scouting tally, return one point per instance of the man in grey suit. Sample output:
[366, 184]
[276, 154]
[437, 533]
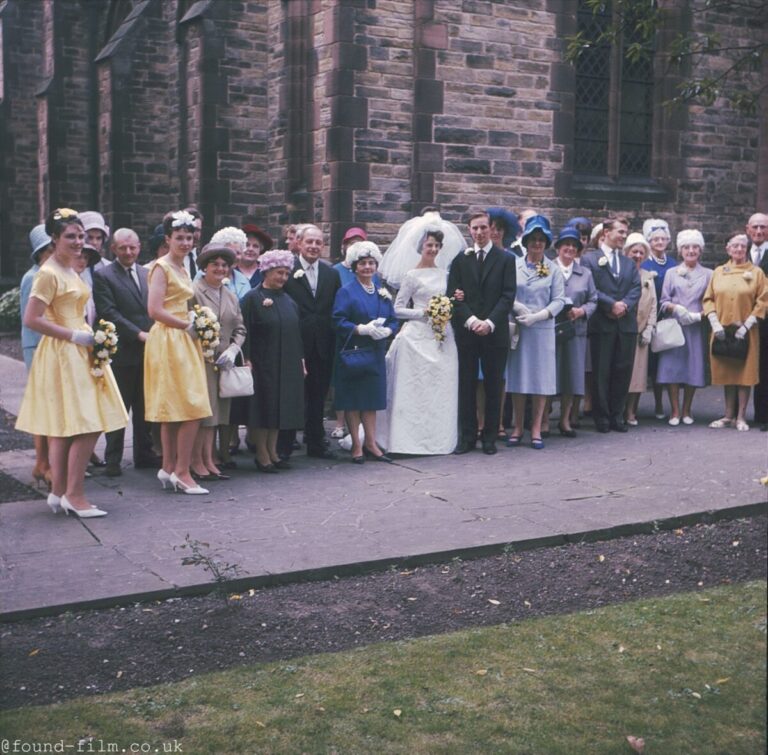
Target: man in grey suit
[757, 230]
[613, 326]
[120, 295]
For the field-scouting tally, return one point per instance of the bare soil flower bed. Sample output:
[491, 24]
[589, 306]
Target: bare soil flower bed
[91, 652]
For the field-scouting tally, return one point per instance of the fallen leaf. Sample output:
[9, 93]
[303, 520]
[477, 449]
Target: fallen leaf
[494, 602]
[411, 599]
[251, 592]
[531, 670]
[301, 694]
[320, 709]
[696, 695]
[34, 652]
[235, 597]
[658, 647]
[601, 558]
[119, 674]
[678, 532]
[725, 680]
[636, 743]
[621, 648]
[481, 671]
[406, 573]
[735, 543]
[527, 603]
[261, 724]
[764, 480]
[397, 712]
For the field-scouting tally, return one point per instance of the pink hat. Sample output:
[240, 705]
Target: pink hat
[92, 219]
[355, 232]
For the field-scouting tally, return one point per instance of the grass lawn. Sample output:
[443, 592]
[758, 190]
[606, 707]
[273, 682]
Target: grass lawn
[687, 673]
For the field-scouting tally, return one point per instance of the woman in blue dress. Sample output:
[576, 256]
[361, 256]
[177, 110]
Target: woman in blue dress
[364, 318]
[539, 299]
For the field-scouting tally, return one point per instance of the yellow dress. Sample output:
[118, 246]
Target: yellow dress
[175, 387]
[735, 292]
[62, 398]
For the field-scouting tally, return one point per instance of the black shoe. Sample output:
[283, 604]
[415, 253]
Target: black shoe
[295, 445]
[358, 459]
[113, 470]
[464, 448]
[386, 459]
[619, 427]
[149, 462]
[282, 464]
[265, 468]
[321, 453]
[489, 447]
[602, 427]
[232, 464]
[764, 428]
[566, 433]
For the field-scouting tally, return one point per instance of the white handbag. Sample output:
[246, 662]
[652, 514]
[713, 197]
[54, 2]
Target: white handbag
[668, 334]
[236, 381]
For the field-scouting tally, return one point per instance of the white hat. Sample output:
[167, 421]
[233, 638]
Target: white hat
[361, 249]
[92, 219]
[637, 238]
[652, 226]
[690, 236]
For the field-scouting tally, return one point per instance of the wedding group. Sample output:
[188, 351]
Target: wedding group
[434, 346]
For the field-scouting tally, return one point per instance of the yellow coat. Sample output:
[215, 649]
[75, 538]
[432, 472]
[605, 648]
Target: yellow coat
[734, 293]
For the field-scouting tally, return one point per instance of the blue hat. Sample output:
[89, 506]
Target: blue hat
[38, 240]
[537, 223]
[579, 221]
[510, 222]
[569, 232]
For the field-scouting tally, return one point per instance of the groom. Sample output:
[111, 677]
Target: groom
[487, 276]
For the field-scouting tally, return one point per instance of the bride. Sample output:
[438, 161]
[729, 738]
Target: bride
[422, 369]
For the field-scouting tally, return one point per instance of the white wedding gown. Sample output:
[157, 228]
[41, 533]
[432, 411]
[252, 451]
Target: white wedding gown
[422, 375]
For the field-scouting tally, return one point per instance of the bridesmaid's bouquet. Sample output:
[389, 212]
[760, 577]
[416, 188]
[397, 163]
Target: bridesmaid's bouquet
[104, 346]
[439, 312]
[207, 328]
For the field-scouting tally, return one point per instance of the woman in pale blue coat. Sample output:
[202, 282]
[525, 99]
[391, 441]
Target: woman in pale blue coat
[540, 297]
[581, 295]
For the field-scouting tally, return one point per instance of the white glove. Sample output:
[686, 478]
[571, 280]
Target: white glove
[191, 330]
[741, 333]
[689, 318]
[645, 337]
[381, 332]
[717, 329]
[533, 317]
[520, 309]
[227, 358]
[82, 338]
[749, 322]
[366, 329]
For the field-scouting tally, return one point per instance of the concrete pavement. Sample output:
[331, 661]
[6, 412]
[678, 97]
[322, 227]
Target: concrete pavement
[324, 518]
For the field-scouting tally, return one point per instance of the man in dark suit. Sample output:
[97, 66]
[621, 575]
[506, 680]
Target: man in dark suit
[487, 277]
[613, 326]
[757, 230]
[120, 296]
[313, 286]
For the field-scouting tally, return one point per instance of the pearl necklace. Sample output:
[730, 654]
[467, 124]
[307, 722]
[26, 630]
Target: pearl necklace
[368, 288]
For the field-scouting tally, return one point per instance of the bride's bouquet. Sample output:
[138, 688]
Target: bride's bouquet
[207, 328]
[439, 312]
[104, 346]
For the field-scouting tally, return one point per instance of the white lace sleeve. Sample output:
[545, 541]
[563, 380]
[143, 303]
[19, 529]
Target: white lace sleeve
[404, 296]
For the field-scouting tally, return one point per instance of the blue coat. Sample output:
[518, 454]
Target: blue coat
[352, 307]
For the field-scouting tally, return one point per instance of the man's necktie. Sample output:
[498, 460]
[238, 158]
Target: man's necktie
[312, 278]
[615, 263]
[192, 265]
[134, 276]
[480, 257]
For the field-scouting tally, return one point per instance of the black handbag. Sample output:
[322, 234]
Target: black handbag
[565, 329]
[731, 347]
[358, 362]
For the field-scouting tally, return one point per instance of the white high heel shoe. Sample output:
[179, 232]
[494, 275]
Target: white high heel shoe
[81, 514]
[54, 503]
[163, 476]
[179, 485]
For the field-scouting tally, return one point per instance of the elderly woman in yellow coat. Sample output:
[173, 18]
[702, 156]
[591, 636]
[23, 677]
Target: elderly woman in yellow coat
[638, 249]
[735, 299]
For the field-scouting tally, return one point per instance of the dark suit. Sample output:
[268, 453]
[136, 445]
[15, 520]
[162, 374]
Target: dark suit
[318, 337]
[118, 300]
[761, 389]
[612, 340]
[489, 292]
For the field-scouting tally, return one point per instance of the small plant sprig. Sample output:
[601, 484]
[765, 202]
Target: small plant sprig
[200, 555]
[104, 346]
[439, 312]
[207, 328]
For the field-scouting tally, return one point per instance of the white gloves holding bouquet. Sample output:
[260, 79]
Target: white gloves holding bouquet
[533, 317]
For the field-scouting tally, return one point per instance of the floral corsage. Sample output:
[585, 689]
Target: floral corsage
[104, 346]
[542, 269]
[384, 294]
[298, 274]
[747, 275]
[267, 303]
[469, 250]
[207, 328]
[603, 261]
[439, 312]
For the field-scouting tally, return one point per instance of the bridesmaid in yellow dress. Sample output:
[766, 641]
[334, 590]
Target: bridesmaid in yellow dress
[62, 399]
[175, 386]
